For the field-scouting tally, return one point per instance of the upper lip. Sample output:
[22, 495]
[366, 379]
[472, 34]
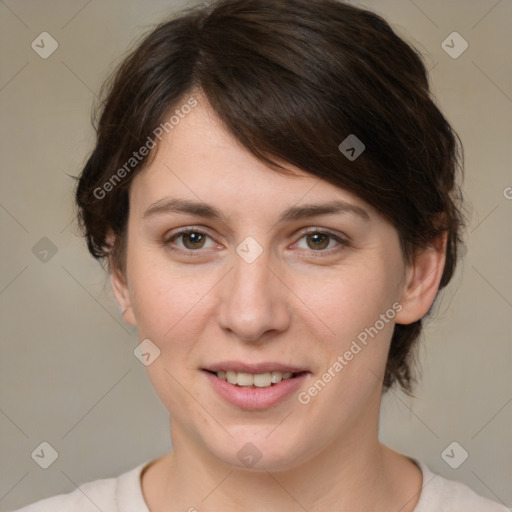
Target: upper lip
[264, 367]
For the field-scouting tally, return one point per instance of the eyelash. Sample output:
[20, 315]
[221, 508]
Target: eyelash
[193, 253]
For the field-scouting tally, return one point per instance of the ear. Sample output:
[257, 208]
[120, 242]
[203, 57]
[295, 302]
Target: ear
[120, 288]
[122, 295]
[422, 281]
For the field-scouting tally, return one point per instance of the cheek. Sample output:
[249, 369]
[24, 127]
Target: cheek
[348, 300]
[167, 304]
[353, 341]
[161, 293]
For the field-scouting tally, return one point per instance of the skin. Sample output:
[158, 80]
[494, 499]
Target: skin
[297, 303]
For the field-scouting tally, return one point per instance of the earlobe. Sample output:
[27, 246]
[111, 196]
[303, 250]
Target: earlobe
[422, 281]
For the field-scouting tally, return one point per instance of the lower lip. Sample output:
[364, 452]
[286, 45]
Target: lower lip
[255, 398]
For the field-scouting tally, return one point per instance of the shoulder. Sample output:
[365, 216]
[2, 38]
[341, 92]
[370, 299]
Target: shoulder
[90, 496]
[442, 495]
[107, 495]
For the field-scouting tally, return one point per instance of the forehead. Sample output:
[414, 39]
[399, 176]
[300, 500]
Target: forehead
[200, 160]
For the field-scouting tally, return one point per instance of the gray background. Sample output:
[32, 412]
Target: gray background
[68, 375]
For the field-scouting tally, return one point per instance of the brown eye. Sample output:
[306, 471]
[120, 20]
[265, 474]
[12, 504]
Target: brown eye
[323, 243]
[193, 240]
[319, 241]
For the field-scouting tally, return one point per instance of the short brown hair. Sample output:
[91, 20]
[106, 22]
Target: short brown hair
[290, 79]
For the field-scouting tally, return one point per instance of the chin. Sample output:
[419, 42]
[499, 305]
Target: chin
[255, 450]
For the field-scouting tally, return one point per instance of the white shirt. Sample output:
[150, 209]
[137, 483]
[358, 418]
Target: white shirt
[124, 494]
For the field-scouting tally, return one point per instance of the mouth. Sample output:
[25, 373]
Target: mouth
[255, 386]
[255, 380]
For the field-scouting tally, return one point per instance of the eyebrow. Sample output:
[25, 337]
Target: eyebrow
[204, 210]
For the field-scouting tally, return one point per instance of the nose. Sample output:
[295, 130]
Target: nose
[254, 303]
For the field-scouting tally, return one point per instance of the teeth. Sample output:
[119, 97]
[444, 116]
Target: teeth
[262, 380]
[231, 377]
[245, 379]
[259, 380]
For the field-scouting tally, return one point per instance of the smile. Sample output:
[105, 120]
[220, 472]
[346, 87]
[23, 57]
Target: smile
[255, 386]
[252, 380]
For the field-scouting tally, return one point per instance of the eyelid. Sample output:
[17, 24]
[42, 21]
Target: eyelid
[183, 231]
[324, 231]
[342, 240]
[204, 231]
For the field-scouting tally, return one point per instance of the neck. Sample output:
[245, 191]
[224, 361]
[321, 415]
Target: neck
[357, 473]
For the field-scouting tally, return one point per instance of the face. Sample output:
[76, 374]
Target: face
[264, 287]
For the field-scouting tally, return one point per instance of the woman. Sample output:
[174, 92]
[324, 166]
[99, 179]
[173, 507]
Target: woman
[275, 194]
